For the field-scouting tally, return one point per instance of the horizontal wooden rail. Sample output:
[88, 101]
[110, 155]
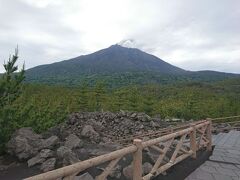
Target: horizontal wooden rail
[222, 118]
[232, 122]
[81, 166]
[163, 131]
[172, 135]
[197, 134]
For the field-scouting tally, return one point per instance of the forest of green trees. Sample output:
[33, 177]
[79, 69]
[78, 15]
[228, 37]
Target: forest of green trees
[42, 106]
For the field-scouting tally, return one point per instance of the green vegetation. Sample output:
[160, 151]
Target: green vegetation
[10, 90]
[116, 80]
[42, 106]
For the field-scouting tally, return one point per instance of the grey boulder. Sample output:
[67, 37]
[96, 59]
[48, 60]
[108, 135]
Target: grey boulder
[48, 165]
[66, 155]
[35, 160]
[24, 144]
[72, 142]
[40, 157]
[90, 133]
[46, 153]
[50, 142]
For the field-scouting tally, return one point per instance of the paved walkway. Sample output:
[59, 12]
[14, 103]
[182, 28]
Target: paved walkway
[224, 164]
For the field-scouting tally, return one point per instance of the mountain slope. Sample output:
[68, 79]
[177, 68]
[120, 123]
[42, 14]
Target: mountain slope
[115, 64]
[111, 60]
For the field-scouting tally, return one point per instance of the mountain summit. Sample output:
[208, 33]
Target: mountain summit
[130, 43]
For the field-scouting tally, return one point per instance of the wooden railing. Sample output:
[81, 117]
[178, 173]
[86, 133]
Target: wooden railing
[180, 145]
[229, 119]
[163, 131]
[232, 122]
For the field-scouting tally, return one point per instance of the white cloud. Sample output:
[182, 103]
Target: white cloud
[191, 34]
[41, 3]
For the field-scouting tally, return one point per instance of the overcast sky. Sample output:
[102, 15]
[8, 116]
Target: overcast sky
[191, 34]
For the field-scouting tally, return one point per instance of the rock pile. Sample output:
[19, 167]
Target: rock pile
[33, 148]
[82, 136]
[100, 126]
[27, 145]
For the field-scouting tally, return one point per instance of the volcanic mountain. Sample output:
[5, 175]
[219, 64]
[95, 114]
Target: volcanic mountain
[115, 63]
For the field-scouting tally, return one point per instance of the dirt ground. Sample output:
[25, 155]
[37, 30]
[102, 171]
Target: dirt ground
[178, 172]
[17, 170]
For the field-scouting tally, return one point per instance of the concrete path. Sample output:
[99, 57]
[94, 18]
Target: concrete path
[224, 164]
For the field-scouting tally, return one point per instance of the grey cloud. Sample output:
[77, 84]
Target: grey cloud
[191, 34]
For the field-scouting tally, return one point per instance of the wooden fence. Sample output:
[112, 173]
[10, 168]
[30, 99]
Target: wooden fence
[179, 144]
[229, 119]
[163, 131]
[231, 123]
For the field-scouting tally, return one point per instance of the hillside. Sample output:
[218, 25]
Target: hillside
[118, 66]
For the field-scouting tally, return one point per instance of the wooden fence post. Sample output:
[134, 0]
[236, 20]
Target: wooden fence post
[193, 144]
[137, 160]
[209, 135]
